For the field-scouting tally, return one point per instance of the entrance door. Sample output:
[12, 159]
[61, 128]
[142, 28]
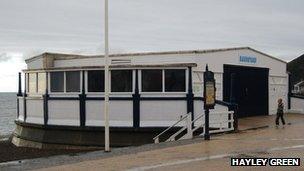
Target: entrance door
[250, 87]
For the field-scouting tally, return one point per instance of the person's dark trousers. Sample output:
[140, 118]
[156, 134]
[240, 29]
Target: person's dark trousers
[280, 115]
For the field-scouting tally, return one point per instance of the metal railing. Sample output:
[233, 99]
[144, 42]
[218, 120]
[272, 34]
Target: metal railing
[172, 138]
[224, 125]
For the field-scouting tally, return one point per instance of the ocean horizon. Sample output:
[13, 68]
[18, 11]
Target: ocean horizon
[8, 111]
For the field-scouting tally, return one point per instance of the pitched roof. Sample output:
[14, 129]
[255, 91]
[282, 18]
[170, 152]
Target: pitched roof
[62, 56]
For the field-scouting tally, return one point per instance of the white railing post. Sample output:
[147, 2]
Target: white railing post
[156, 141]
[189, 126]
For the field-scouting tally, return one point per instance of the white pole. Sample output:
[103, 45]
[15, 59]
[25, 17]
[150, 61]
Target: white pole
[106, 72]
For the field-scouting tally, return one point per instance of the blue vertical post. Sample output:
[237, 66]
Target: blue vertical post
[232, 100]
[19, 85]
[82, 102]
[24, 97]
[19, 94]
[190, 95]
[289, 91]
[46, 101]
[136, 103]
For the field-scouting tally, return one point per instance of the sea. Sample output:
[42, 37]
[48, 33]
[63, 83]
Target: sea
[8, 113]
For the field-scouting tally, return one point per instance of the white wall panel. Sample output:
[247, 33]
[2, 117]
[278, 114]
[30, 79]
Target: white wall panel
[21, 109]
[34, 111]
[161, 113]
[64, 112]
[214, 118]
[297, 105]
[121, 113]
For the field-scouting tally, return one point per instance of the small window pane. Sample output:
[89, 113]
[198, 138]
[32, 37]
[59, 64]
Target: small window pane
[72, 81]
[121, 81]
[175, 80]
[96, 81]
[41, 82]
[32, 82]
[57, 81]
[151, 80]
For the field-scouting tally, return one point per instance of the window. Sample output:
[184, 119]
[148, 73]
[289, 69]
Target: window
[32, 82]
[175, 80]
[57, 81]
[41, 82]
[151, 80]
[96, 81]
[121, 81]
[72, 81]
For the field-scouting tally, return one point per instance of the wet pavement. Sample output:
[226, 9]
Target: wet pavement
[266, 141]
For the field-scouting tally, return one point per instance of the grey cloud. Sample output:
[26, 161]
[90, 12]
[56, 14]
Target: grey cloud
[32, 26]
[4, 57]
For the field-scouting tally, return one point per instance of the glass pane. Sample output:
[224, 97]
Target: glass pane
[41, 82]
[57, 81]
[121, 81]
[96, 81]
[32, 83]
[151, 80]
[175, 80]
[72, 81]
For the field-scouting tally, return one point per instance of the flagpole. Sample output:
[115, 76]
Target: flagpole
[106, 82]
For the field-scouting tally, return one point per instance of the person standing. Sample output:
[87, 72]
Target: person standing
[280, 112]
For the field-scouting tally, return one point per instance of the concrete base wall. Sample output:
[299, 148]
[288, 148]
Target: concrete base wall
[40, 136]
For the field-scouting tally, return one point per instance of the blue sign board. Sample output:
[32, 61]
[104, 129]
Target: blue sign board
[248, 59]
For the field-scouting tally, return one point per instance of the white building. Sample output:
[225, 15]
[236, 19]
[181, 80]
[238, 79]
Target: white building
[63, 101]
[299, 88]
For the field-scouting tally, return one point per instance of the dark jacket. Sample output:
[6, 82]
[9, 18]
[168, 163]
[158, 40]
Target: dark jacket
[280, 109]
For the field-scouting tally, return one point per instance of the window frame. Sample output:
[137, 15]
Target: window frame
[111, 93]
[37, 83]
[80, 83]
[64, 83]
[140, 81]
[164, 81]
[28, 83]
[87, 83]
[46, 81]
[133, 81]
[186, 80]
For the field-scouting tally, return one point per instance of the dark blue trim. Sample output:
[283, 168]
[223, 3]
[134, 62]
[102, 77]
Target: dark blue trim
[24, 98]
[136, 103]
[46, 103]
[63, 98]
[198, 98]
[18, 110]
[45, 108]
[126, 98]
[190, 95]
[82, 102]
[297, 96]
[162, 98]
[111, 98]
[289, 91]
[19, 94]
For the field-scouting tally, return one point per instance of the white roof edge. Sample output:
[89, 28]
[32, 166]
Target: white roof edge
[69, 56]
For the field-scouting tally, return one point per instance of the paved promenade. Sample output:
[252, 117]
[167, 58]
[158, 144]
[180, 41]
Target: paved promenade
[267, 141]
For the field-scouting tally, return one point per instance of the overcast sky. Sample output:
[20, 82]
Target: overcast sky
[31, 27]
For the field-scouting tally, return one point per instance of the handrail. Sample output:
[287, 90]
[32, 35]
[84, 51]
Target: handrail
[200, 116]
[183, 117]
[191, 128]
